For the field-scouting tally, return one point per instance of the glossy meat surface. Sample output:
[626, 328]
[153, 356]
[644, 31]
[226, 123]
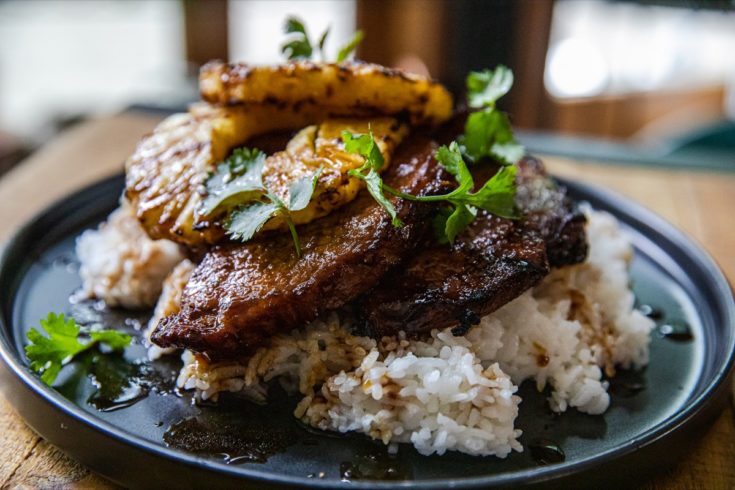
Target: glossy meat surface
[241, 294]
[491, 263]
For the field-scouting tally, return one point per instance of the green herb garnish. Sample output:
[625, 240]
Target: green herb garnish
[65, 341]
[351, 46]
[239, 178]
[497, 195]
[365, 146]
[485, 87]
[245, 221]
[300, 47]
[236, 186]
[488, 132]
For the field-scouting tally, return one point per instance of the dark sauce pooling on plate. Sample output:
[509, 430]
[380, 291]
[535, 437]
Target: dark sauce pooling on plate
[234, 443]
[376, 464]
[652, 312]
[677, 331]
[119, 383]
[626, 388]
[545, 452]
[239, 431]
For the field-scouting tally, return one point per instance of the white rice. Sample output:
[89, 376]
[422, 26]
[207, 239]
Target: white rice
[437, 403]
[457, 393]
[121, 265]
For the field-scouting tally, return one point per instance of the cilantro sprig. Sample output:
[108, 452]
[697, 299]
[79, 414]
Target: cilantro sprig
[487, 131]
[497, 195]
[365, 146]
[487, 134]
[299, 46]
[236, 188]
[246, 220]
[65, 341]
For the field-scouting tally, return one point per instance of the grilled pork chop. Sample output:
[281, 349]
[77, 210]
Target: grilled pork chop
[490, 264]
[240, 295]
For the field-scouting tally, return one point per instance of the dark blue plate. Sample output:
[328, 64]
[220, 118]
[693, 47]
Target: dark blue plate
[162, 439]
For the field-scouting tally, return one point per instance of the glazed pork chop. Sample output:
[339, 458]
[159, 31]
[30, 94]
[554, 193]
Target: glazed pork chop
[491, 263]
[241, 294]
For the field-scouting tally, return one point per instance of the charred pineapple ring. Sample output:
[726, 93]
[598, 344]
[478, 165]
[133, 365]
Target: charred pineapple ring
[166, 173]
[351, 88]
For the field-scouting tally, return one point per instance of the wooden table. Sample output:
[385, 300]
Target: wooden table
[699, 202]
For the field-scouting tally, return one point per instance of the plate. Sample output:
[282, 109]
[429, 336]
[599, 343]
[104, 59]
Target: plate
[139, 440]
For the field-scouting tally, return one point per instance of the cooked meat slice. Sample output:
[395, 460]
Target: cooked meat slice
[341, 88]
[241, 294]
[552, 214]
[166, 173]
[491, 263]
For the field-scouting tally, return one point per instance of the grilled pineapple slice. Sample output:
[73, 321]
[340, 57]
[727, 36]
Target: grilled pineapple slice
[166, 173]
[321, 146]
[350, 88]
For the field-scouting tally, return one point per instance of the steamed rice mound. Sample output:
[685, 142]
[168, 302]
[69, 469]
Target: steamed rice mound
[457, 393]
[121, 265]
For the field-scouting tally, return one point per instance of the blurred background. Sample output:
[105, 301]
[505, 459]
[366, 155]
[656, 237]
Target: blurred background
[621, 80]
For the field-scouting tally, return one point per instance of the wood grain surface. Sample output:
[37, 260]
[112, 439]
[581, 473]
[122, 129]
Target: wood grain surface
[701, 203]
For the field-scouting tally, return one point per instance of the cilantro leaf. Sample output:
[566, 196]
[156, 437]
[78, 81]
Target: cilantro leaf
[365, 146]
[237, 179]
[299, 46]
[111, 338]
[375, 187]
[348, 48]
[439, 223]
[300, 192]
[456, 222]
[322, 42]
[294, 24]
[299, 195]
[485, 87]
[488, 133]
[48, 354]
[450, 157]
[245, 221]
[508, 152]
[497, 194]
